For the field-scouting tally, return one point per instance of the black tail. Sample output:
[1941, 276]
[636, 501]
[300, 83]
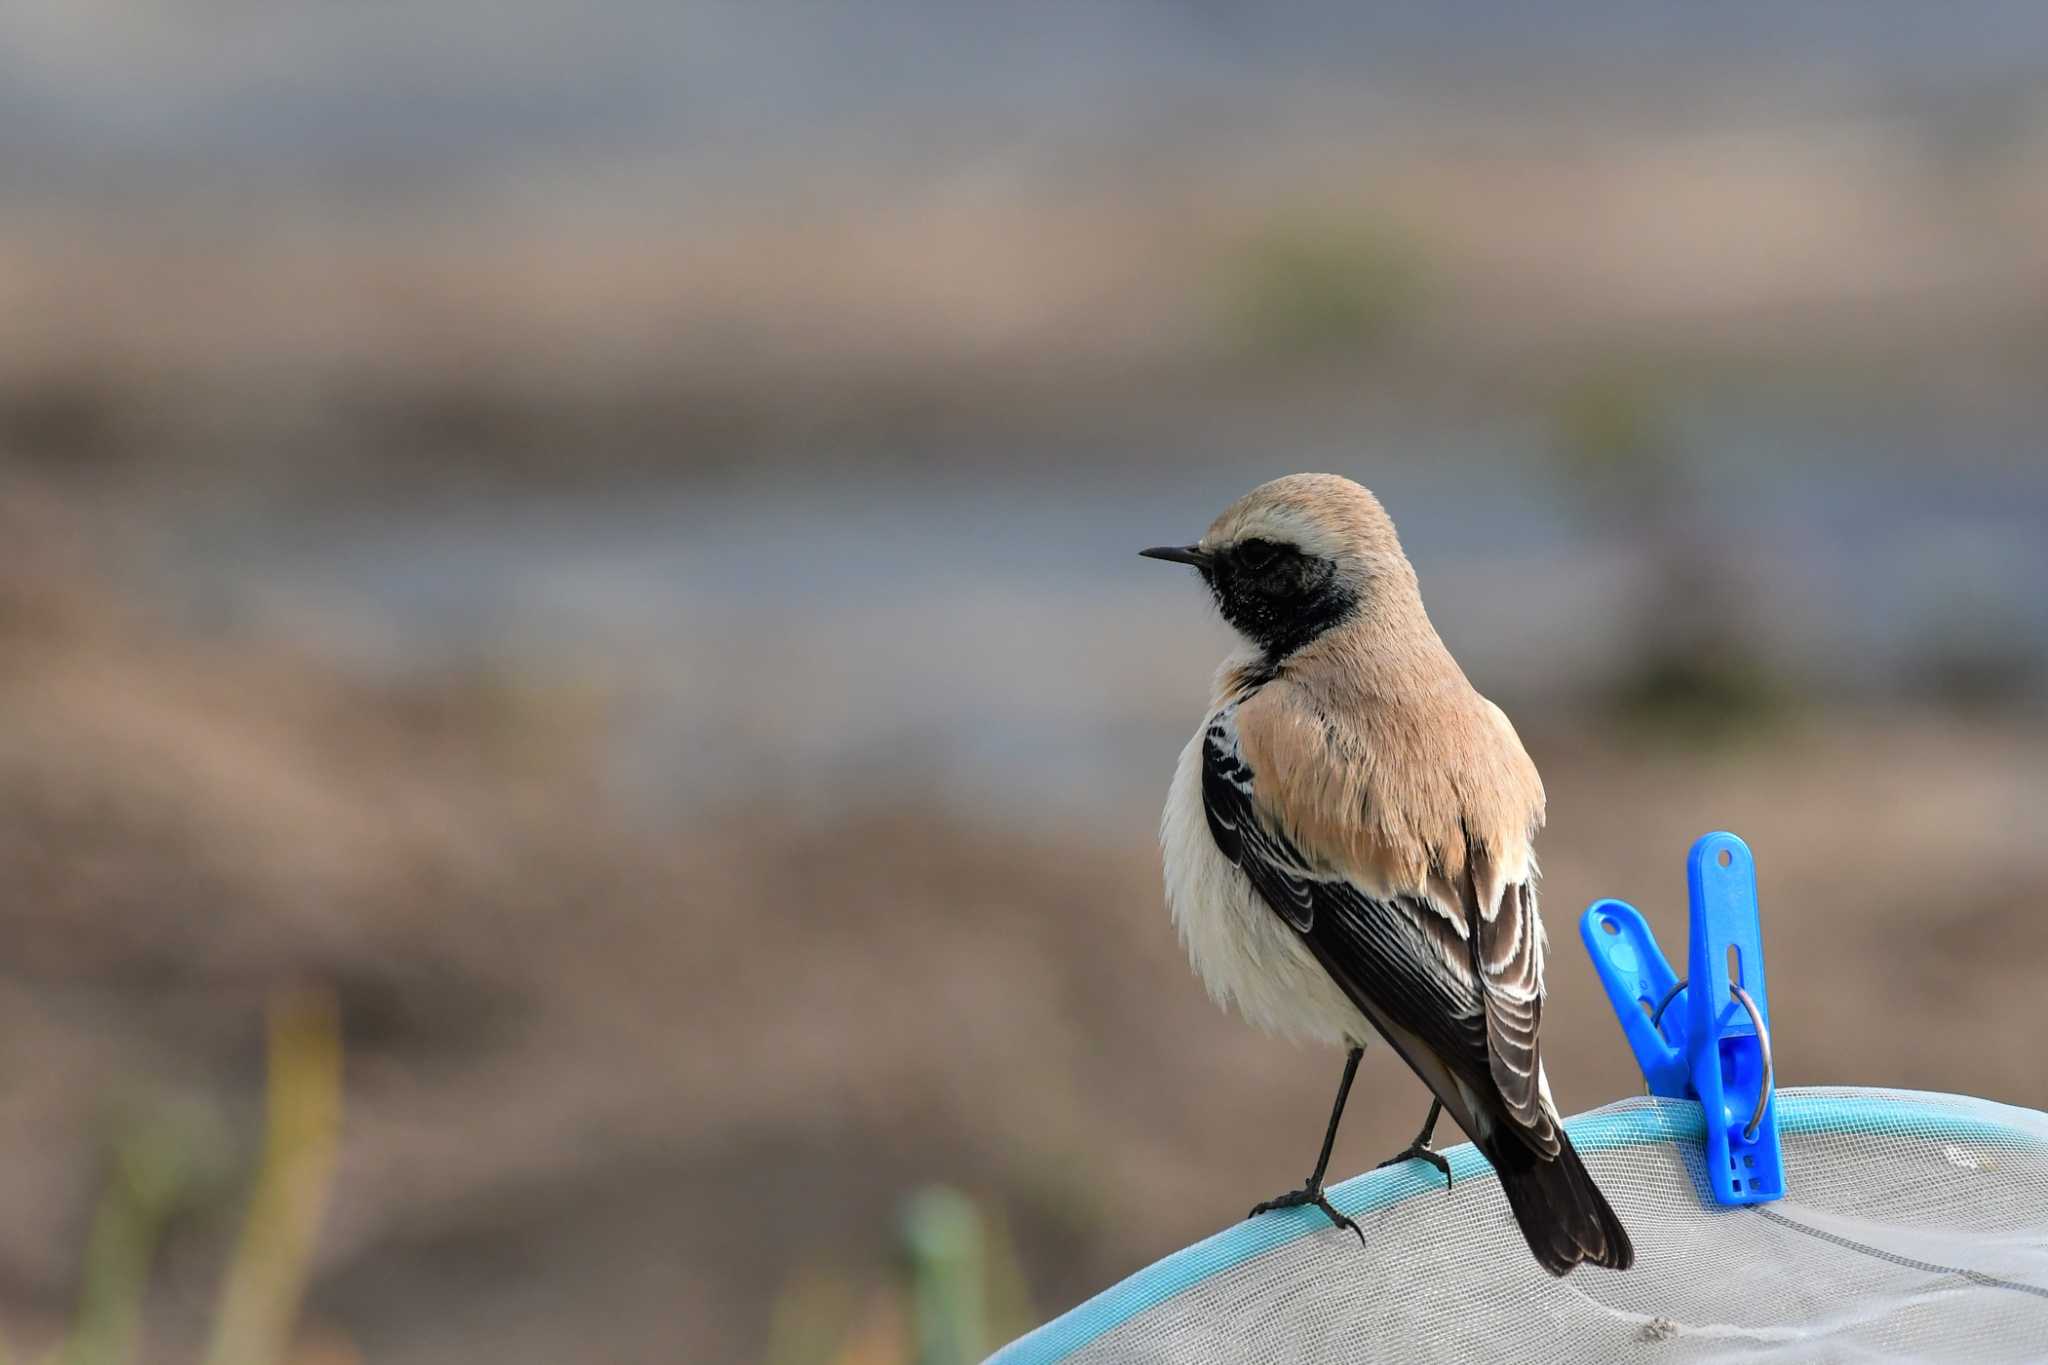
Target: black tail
[1561, 1211]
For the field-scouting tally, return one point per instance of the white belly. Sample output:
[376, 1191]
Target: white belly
[1246, 954]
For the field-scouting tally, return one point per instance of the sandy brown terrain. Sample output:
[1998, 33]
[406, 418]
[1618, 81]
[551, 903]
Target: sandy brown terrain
[614, 1082]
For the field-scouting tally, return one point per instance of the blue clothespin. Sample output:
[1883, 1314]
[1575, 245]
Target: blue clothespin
[1716, 1048]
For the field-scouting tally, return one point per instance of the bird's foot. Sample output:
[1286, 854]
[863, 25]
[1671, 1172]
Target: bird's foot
[1421, 1151]
[1308, 1194]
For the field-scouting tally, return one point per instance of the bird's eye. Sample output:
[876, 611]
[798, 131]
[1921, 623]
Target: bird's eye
[1255, 556]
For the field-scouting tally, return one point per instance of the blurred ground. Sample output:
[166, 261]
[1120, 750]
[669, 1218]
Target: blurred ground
[627, 584]
[611, 1080]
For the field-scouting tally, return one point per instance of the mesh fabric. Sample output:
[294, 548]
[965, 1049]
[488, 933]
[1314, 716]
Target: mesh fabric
[1916, 1228]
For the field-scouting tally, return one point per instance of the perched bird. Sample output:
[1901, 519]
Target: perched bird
[1347, 847]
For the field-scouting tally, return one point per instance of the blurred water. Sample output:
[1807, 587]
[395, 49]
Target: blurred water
[996, 633]
[458, 83]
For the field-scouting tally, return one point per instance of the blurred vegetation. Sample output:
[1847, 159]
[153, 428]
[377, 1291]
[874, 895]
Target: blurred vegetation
[1978, 667]
[1614, 448]
[64, 417]
[1704, 686]
[1313, 288]
[958, 1294]
[259, 1302]
[1693, 671]
[166, 1162]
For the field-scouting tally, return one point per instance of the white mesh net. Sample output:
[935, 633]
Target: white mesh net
[1916, 1228]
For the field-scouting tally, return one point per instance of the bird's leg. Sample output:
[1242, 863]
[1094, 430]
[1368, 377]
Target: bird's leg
[1420, 1150]
[1312, 1192]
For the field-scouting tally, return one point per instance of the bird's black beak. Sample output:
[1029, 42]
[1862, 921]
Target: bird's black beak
[1179, 554]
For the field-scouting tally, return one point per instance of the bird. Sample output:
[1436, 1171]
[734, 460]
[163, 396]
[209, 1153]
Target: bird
[1347, 845]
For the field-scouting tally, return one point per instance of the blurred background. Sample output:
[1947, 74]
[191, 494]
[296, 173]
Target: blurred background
[581, 729]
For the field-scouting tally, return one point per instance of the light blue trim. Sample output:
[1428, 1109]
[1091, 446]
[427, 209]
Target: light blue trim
[1799, 1111]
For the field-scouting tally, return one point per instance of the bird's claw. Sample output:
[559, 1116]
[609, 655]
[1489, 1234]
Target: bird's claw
[1421, 1151]
[1309, 1194]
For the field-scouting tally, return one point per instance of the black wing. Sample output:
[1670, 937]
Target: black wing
[1399, 958]
[1508, 950]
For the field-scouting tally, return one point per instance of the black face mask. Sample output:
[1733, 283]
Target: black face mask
[1277, 596]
